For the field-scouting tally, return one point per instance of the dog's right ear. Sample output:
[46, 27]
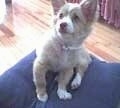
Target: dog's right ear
[89, 9]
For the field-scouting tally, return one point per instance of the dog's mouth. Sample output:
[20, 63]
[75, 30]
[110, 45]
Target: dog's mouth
[61, 30]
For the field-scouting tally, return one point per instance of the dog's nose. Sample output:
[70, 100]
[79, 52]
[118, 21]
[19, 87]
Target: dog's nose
[63, 25]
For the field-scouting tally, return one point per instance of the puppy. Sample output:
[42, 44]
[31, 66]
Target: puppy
[62, 50]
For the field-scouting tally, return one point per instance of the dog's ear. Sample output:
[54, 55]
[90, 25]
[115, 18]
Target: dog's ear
[89, 9]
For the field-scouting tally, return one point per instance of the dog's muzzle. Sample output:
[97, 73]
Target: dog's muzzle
[63, 27]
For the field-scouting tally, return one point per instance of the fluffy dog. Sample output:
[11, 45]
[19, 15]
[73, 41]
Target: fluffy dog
[62, 50]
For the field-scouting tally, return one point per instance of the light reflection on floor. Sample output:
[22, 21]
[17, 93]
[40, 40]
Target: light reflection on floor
[23, 27]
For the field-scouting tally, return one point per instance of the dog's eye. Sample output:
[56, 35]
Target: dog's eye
[75, 18]
[61, 15]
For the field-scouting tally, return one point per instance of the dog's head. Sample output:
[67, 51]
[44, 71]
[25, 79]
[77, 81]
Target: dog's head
[76, 19]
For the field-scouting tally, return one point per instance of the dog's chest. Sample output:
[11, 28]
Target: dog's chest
[65, 59]
[69, 57]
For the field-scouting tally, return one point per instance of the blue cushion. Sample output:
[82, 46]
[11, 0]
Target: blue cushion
[100, 88]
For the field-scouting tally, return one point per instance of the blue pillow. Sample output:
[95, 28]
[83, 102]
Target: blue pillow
[100, 88]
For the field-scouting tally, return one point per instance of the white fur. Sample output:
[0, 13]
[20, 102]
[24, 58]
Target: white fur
[42, 98]
[67, 19]
[76, 81]
[63, 94]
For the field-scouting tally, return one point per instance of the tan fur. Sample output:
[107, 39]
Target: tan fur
[61, 52]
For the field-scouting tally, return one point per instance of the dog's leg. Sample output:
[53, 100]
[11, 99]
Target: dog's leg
[63, 80]
[39, 72]
[80, 69]
[76, 81]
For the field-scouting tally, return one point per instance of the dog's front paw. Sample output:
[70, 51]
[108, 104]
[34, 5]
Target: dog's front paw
[63, 94]
[42, 97]
[76, 81]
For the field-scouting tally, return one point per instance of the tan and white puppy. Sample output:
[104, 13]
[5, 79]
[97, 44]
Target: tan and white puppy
[62, 50]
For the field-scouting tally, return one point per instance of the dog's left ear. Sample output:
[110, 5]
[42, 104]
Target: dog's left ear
[89, 9]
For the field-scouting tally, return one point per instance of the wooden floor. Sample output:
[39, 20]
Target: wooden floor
[28, 20]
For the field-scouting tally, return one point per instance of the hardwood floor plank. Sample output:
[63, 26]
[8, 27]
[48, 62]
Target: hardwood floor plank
[102, 53]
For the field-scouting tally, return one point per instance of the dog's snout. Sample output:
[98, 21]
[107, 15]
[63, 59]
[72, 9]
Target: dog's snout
[63, 25]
